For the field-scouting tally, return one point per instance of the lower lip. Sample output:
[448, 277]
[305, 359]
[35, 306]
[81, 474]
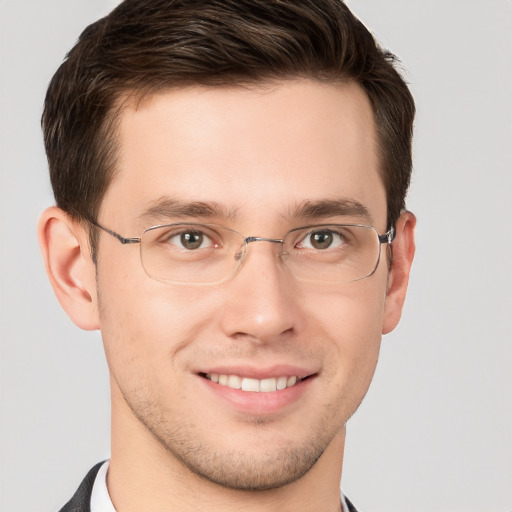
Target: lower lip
[259, 403]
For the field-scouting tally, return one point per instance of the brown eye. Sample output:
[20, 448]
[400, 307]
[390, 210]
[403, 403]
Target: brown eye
[321, 239]
[187, 240]
[191, 240]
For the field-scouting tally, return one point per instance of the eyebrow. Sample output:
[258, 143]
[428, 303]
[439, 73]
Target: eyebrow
[342, 207]
[171, 208]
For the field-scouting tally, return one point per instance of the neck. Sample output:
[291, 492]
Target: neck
[145, 476]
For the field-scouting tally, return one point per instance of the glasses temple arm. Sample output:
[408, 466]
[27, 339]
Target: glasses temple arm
[388, 237]
[122, 239]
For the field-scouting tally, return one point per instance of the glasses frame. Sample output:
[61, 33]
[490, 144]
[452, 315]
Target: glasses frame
[384, 238]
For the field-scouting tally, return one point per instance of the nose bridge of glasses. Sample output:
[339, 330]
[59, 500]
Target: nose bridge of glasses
[250, 239]
[240, 255]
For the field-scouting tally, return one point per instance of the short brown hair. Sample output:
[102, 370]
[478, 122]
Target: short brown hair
[147, 46]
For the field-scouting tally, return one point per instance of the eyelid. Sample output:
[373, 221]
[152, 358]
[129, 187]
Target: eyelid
[181, 227]
[169, 231]
[307, 230]
[180, 230]
[335, 233]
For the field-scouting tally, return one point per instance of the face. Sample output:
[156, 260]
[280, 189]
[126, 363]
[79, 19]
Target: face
[256, 156]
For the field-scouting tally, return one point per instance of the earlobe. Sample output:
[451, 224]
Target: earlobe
[65, 249]
[403, 255]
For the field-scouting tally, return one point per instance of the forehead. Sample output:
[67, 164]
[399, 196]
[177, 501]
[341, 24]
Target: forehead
[255, 151]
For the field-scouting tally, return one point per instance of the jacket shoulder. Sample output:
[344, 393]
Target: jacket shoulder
[350, 506]
[81, 501]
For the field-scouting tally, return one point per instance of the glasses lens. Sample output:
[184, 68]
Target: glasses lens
[208, 254]
[332, 253]
[190, 253]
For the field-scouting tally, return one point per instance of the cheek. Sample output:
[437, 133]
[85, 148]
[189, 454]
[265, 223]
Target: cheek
[352, 320]
[145, 325]
[355, 312]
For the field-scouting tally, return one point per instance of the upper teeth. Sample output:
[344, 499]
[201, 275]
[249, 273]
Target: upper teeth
[247, 384]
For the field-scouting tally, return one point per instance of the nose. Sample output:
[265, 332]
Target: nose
[261, 301]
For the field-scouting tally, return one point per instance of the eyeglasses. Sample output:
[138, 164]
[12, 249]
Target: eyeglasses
[200, 254]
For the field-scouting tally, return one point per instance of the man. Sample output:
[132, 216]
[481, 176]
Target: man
[230, 179]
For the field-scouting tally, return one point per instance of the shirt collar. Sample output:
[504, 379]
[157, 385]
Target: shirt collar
[101, 502]
[100, 498]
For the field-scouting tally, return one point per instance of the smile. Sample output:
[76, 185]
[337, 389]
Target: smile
[254, 385]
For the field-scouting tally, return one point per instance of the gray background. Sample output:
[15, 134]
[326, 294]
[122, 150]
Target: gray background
[435, 431]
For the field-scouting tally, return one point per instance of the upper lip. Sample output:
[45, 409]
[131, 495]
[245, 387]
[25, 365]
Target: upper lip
[260, 373]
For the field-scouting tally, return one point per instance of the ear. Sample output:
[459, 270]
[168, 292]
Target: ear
[65, 248]
[403, 254]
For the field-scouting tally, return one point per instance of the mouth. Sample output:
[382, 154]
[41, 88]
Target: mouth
[249, 384]
[259, 391]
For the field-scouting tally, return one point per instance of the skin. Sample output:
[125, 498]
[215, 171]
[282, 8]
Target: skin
[257, 153]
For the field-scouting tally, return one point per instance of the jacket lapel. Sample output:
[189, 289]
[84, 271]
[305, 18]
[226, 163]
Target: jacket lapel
[81, 501]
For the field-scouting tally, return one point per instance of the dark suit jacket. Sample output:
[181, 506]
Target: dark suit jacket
[81, 501]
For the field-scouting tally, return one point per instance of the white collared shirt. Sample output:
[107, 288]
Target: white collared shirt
[100, 498]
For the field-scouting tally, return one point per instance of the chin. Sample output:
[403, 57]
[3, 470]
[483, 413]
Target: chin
[254, 472]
